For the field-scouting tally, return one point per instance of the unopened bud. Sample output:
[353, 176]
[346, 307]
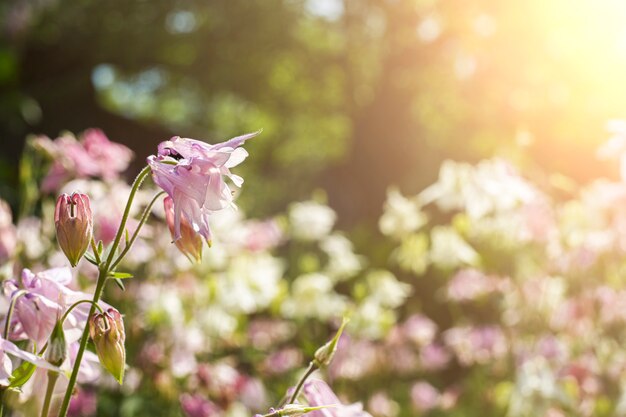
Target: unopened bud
[107, 332]
[324, 355]
[190, 242]
[57, 347]
[74, 225]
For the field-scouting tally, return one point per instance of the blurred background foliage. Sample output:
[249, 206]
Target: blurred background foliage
[353, 95]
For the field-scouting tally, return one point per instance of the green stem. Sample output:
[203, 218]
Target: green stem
[7, 325]
[136, 184]
[143, 219]
[77, 303]
[102, 278]
[312, 368]
[94, 248]
[52, 380]
[2, 401]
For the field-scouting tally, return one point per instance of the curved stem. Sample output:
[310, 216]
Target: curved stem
[7, 325]
[143, 219]
[69, 310]
[120, 231]
[52, 380]
[306, 375]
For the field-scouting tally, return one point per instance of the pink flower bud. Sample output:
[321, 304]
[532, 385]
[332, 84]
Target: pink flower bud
[190, 242]
[74, 225]
[108, 335]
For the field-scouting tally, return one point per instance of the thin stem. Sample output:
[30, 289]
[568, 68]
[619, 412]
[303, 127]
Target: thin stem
[2, 392]
[143, 219]
[7, 325]
[69, 310]
[312, 368]
[52, 380]
[83, 344]
[120, 231]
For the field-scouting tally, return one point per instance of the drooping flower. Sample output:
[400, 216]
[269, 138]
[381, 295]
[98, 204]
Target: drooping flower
[107, 332]
[190, 243]
[192, 173]
[74, 225]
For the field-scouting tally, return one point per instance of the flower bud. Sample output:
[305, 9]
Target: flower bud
[324, 355]
[57, 347]
[107, 332]
[74, 225]
[190, 242]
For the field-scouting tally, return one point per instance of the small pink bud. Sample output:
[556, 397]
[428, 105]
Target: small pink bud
[74, 225]
[108, 335]
[190, 242]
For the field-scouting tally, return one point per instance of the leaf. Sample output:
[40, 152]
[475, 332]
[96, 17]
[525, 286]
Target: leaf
[21, 374]
[91, 258]
[120, 275]
[100, 247]
[119, 283]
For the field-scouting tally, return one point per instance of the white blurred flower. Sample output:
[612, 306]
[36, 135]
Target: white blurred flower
[251, 283]
[401, 215]
[311, 220]
[449, 250]
[312, 295]
[386, 289]
[343, 262]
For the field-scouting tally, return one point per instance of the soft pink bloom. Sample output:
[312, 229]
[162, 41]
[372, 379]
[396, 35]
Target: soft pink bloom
[192, 173]
[382, 406]
[48, 295]
[470, 284]
[317, 393]
[252, 394]
[83, 404]
[8, 233]
[282, 361]
[93, 156]
[424, 396]
[198, 406]
[434, 357]
[190, 243]
[262, 235]
[6, 366]
[419, 329]
[476, 345]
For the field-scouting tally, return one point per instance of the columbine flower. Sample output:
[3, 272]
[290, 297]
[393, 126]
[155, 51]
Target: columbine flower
[191, 172]
[108, 335]
[190, 243]
[6, 367]
[74, 225]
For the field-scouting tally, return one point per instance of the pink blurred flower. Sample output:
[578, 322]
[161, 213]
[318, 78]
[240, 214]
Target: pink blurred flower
[434, 357]
[93, 156]
[470, 284]
[382, 406]
[476, 344]
[424, 396]
[262, 235]
[198, 406]
[191, 172]
[420, 329]
[83, 404]
[318, 393]
[8, 233]
[282, 361]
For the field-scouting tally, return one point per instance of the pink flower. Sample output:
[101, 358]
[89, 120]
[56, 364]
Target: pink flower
[424, 396]
[191, 172]
[83, 404]
[73, 221]
[198, 406]
[6, 366]
[93, 156]
[318, 393]
[8, 233]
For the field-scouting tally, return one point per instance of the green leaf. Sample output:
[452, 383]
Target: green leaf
[119, 283]
[21, 374]
[91, 258]
[120, 275]
[100, 247]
